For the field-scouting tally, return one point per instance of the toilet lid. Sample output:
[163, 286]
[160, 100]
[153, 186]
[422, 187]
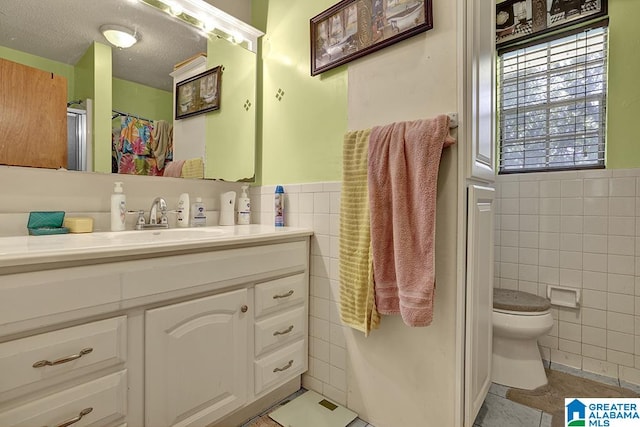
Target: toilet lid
[507, 299]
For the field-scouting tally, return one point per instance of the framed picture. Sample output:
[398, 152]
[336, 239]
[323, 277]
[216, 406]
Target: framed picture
[354, 28]
[199, 94]
[519, 19]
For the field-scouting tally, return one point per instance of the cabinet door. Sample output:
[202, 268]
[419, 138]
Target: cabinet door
[479, 296]
[196, 360]
[480, 78]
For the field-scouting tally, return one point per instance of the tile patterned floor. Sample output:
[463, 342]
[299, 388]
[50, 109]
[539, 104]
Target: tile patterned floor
[498, 411]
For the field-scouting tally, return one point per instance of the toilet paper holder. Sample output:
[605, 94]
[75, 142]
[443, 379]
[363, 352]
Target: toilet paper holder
[563, 296]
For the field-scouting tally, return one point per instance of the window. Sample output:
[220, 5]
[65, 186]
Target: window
[552, 100]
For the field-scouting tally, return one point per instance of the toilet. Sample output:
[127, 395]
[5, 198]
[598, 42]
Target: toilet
[519, 319]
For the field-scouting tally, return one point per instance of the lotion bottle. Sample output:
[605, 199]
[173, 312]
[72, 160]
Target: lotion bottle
[183, 210]
[118, 207]
[244, 207]
[198, 214]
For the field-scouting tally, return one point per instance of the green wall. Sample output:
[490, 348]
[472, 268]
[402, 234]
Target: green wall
[623, 104]
[299, 135]
[141, 100]
[41, 63]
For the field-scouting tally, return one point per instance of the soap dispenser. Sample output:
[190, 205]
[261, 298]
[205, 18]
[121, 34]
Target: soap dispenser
[118, 207]
[244, 207]
[183, 210]
[227, 208]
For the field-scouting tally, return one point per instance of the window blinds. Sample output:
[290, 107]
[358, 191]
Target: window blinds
[552, 99]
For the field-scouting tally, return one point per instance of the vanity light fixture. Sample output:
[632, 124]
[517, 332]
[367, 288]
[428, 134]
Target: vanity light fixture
[119, 36]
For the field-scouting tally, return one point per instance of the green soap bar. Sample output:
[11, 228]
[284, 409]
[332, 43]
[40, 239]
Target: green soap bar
[52, 219]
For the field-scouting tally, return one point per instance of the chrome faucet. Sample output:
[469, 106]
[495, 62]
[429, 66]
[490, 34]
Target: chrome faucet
[158, 203]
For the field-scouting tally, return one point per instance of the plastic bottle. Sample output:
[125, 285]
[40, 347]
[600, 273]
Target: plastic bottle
[244, 207]
[183, 210]
[198, 214]
[279, 206]
[118, 207]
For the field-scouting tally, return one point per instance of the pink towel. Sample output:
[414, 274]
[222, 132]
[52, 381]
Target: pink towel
[403, 167]
[174, 168]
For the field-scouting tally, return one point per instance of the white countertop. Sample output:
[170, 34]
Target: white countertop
[22, 251]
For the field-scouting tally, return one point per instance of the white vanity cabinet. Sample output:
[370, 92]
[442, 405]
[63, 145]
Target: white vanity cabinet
[196, 360]
[166, 339]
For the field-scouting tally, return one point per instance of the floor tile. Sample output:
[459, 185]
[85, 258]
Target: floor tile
[497, 411]
[546, 420]
[498, 389]
[357, 423]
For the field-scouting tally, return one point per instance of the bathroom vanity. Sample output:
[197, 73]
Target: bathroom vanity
[156, 328]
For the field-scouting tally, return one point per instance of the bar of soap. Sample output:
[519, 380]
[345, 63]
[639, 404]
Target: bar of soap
[79, 224]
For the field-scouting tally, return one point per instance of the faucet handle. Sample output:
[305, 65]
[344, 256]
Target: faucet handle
[140, 221]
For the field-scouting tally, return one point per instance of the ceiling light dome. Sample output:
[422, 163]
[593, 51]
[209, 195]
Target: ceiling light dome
[119, 36]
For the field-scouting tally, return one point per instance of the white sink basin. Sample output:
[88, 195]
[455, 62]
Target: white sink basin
[160, 235]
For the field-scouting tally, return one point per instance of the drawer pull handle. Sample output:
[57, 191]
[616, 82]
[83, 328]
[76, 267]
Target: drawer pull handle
[43, 363]
[285, 367]
[75, 419]
[283, 332]
[288, 294]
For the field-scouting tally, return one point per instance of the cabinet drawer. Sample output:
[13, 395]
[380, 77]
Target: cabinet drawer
[72, 351]
[278, 330]
[280, 366]
[101, 401]
[277, 294]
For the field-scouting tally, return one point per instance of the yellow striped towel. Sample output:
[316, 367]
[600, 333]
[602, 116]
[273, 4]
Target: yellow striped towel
[357, 299]
[193, 168]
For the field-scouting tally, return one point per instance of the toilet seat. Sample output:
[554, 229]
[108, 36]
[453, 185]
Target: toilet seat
[521, 313]
[518, 302]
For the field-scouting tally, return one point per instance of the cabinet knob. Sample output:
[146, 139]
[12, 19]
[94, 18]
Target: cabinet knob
[244, 308]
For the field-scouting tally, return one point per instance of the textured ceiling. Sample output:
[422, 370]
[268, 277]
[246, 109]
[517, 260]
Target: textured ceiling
[62, 30]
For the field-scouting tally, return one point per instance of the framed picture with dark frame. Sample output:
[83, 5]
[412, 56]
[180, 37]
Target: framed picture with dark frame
[523, 19]
[199, 94]
[353, 28]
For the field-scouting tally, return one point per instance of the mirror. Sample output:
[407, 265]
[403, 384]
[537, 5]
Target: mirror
[63, 38]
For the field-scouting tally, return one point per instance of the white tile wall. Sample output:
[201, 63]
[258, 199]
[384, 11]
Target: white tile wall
[578, 229]
[316, 205]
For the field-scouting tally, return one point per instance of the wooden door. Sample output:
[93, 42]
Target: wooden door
[196, 360]
[33, 117]
[479, 299]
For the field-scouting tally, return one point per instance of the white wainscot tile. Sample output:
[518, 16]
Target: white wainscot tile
[510, 206]
[622, 245]
[621, 226]
[622, 206]
[596, 187]
[571, 224]
[593, 317]
[621, 264]
[566, 359]
[629, 374]
[509, 255]
[320, 308]
[320, 287]
[572, 278]
[549, 223]
[594, 262]
[509, 238]
[570, 346]
[338, 396]
[321, 245]
[305, 203]
[620, 303]
[594, 280]
[549, 188]
[620, 322]
[334, 249]
[621, 358]
[528, 273]
[510, 222]
[596, 224]
[338, 378]
[549, 275]
[509, 189]
[621, 284]
[590, 352]
[322, 224]
[571, 260]
[527, 256]
[529, 206]
[321, 203]
[549, 206]
[509, 270]
[334, 226]
[312, 187]
[594, 243]
[572, 188]
[528, 239]
[572, 206]
[594, 336]
[529, 188]
[594, 299]
[549, 241]
[570, 331]
[570, 315]
[622, 187]
[311, 383]
[549, 258]
[319, 349]
[529, 223]
[571, 242]
[601, 367]
[335, 203]
[338, 357]
[620, 342]
[595, 206]
[526, 286]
